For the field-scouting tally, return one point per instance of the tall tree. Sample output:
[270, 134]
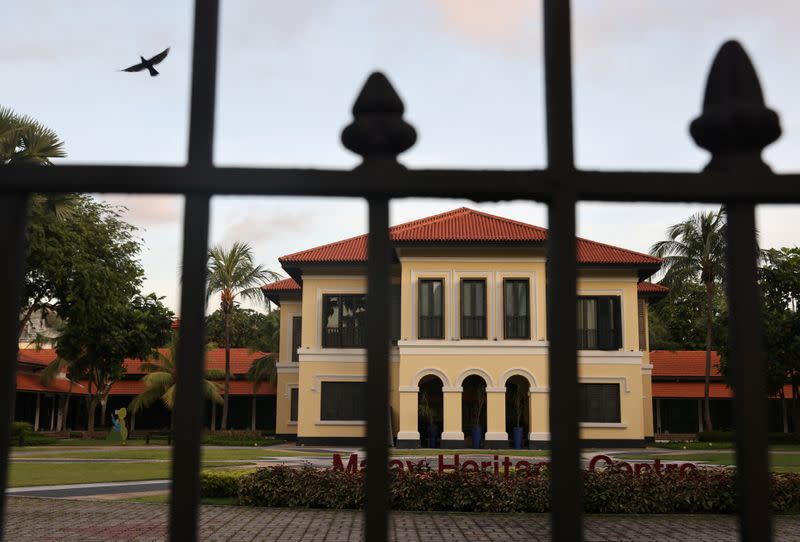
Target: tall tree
[234, 275]
[161, 378]
[779, 278]
[87, 270]
[694, 252]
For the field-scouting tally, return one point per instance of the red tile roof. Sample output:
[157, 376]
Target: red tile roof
[31, 382]
[241, 359]
[44, 356]
[683, 363]
[466, 225]
[285, 285]
[696, 390]
[652, 288]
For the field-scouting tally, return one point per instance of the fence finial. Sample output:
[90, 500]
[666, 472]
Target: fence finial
[735, 125]
[378, 129]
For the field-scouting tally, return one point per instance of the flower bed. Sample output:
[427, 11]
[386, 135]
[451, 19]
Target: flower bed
[605, 492]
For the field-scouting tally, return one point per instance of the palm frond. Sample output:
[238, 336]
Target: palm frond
[53, 369]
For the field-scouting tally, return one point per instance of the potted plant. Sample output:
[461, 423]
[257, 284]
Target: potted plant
[477, 430]
[426, 412]
[518, 400]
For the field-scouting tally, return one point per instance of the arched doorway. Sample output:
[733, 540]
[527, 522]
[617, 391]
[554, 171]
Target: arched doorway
[518, 396]
[473, 409]
[430, 407]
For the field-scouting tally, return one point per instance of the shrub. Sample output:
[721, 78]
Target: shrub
[18, 428]
[239, 438]
[221, 483]
[605, 492]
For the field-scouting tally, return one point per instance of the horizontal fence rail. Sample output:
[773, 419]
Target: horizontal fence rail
[736, 176]
[474, 184]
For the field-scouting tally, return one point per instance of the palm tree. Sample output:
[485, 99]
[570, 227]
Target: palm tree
[233, 274]
[23, 140]
[695, 251]
[161, 378]
[263, 370]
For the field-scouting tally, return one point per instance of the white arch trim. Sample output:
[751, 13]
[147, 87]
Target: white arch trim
[519, 371]
[430, 371]
[474, 371]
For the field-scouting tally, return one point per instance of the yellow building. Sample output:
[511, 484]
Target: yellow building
[469, 350]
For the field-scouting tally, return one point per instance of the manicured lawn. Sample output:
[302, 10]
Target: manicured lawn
[716, 446]
[783, 462]
[209, 453]
[46, 474]
[433, 452]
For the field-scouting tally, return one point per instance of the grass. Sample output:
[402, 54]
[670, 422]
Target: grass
[778, 462]
[209, 454]
[436, 451]
[46, 474]
[718, 446]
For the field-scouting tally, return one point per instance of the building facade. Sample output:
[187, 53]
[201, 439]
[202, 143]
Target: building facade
[469, 352]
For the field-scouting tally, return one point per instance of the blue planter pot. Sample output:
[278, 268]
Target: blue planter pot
[433, 436]
[477, 435]
[517, 434]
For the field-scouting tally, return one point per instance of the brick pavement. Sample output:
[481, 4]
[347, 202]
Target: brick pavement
[74, 520]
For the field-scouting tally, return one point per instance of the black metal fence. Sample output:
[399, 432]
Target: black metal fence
[735, 126]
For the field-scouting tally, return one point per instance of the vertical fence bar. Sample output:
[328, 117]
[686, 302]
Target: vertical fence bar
[13, 210]
[749, 376]
[566, 485]
[376, 507]
[188, 424]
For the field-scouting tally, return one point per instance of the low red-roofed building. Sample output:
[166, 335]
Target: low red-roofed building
[678, 381]
[44, 405]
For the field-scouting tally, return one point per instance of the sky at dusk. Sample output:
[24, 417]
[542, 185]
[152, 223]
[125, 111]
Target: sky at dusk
[469, 72]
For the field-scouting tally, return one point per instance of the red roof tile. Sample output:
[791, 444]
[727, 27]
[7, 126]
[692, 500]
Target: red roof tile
[237, 387]
[683, 363]
[44, 356]
[285, 285]
[241, 359]
[466, 225]
[651, 288]
[696, 390]
[31, 382]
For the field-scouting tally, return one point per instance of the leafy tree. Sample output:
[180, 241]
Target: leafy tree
[232, 273]
[86, 269]
[248, 329]
[23, 140]
[779, 278]
[678, 322]
[694, 252]
[161, 378]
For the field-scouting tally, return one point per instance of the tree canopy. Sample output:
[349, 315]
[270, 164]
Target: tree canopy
[248, 329]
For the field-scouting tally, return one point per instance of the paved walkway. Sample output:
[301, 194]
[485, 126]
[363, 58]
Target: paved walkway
[71, 520]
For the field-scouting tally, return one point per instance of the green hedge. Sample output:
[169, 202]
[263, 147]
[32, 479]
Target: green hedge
[22, 433]
[221, 483]
[606, 492]
[730, 436]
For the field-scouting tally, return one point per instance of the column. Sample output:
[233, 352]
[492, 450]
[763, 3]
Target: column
[659, 427]
[133, 421]
[407, 432]
[785, 415]
[452, 435]
[60, 414]
[52, 412]
[213, 415]
[496, 435]
[253, 414]
[700, 415]
[36, 417]
[539, 416]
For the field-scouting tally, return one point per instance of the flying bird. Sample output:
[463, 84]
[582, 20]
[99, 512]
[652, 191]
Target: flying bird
[149, 63]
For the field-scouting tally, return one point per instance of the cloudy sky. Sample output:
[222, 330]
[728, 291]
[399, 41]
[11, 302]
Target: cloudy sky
[470, 73]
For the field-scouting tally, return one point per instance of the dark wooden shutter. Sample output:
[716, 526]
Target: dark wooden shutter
[293, 402]
[394, 316]
[297, 327]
